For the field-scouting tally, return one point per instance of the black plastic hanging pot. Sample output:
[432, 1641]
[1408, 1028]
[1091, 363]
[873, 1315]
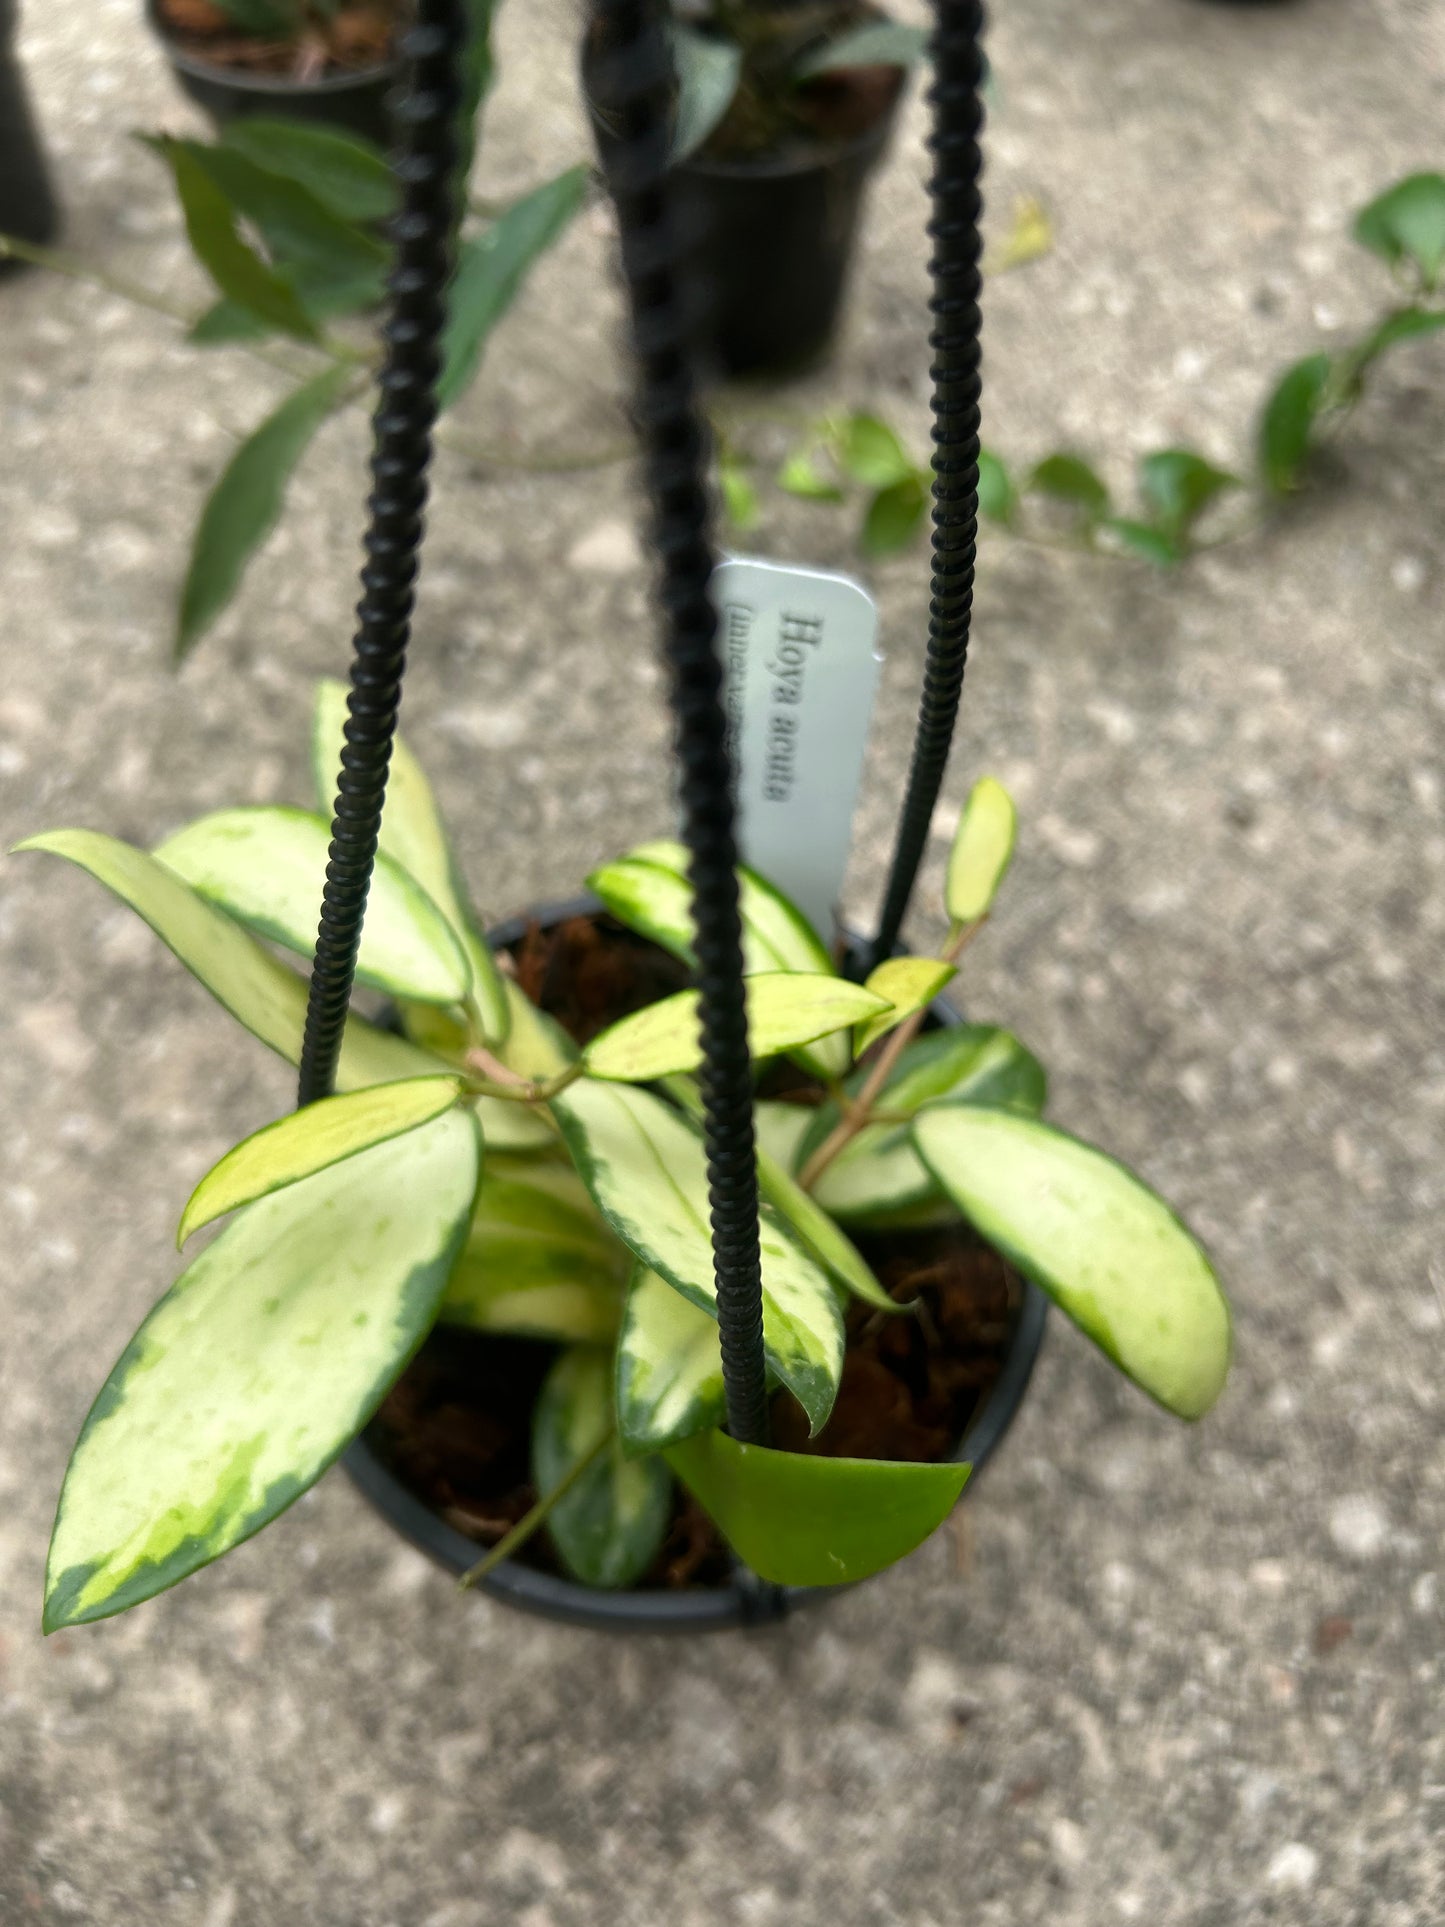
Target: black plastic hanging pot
[28, 207]
[746, 1600]
[772, 240]
[357, 103]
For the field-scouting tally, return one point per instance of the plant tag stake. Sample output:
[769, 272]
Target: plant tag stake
[801, 673]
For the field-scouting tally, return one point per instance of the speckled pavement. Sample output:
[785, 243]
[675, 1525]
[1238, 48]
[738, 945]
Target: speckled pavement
[1181, 1678]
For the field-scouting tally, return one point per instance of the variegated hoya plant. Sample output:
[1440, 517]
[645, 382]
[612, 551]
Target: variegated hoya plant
[480, 1169]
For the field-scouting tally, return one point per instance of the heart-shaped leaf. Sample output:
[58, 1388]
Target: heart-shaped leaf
[983, 848]
[804, 1520]
[785, 1010]
[246, 980]
[609, 1528]
[267, 866]
[413, 833]
[1106, 1248]
[539, 1260]
[312, 1139]
[257, 1367]
[646, 1170]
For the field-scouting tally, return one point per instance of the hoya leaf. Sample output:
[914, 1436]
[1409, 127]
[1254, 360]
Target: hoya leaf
[539, 1260]
[878, 1178]
[779, 1127]
[1287, 423]
[536, 1044]
[246, 980]
[909, 984]
[259, 1365]
[1068, 479]
[412, 831]
[246, 502]
[312, 1139]
[708, 69]
[740, 498]
[347, 174]
[1107, 1249]
[997, 497]
[870, 453]
[267, 867]
[1407, 222]
[492, 269]
[983, 848]
[785, 1010]
[669, 1366]
[894, 517]
[1179, 485]
[649, 891]
[803, 1520]
[880, 43]
[646, 1170]
[232, 263]
[610, 1527]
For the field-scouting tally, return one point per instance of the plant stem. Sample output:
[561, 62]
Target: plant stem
[522, 1531]
[861, 1111]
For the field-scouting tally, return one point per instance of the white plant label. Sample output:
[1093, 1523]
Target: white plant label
[801, 665]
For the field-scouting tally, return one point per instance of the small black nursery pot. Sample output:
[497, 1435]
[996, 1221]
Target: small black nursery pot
[357, 103]
[505, 1373]
[28, 207]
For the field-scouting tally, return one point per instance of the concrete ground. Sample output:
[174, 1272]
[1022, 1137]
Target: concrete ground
[1186, 1678]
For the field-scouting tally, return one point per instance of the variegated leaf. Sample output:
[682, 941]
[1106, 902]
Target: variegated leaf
[879, 1178]
[309, 1140]
[539, 1261]
[267, 867]
[786, 1010]
[413, 833]
[983, 847]
[907, 984]
[610, 1527]
[646, 1169]
[245, 979]
[1107, 1249]
[669, 1366]
[265, 1357]
[648, 890]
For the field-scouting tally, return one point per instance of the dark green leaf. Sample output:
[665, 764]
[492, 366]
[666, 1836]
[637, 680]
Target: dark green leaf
[1286, 426]
[800, 1520]
[494, 266]
[232, 263]
[800, 475]
[1066, 478]
[996, 496]
[870, 453]
[610, 1526]
[478, 69]
[882, 43]
[708, 68]
[246, 502]
[1179, 485]
[895, 516]
[1145, 540]
[1407, 222]
[346, 174]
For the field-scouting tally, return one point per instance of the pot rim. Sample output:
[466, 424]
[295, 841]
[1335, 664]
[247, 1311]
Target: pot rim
[747, 1600]
[254, 83]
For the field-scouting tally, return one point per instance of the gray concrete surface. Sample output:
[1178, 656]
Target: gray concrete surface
[1184, 1678]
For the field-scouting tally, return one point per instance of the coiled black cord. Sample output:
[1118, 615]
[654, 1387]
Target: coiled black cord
[631, 79]
[422, 234]
[956, 96]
